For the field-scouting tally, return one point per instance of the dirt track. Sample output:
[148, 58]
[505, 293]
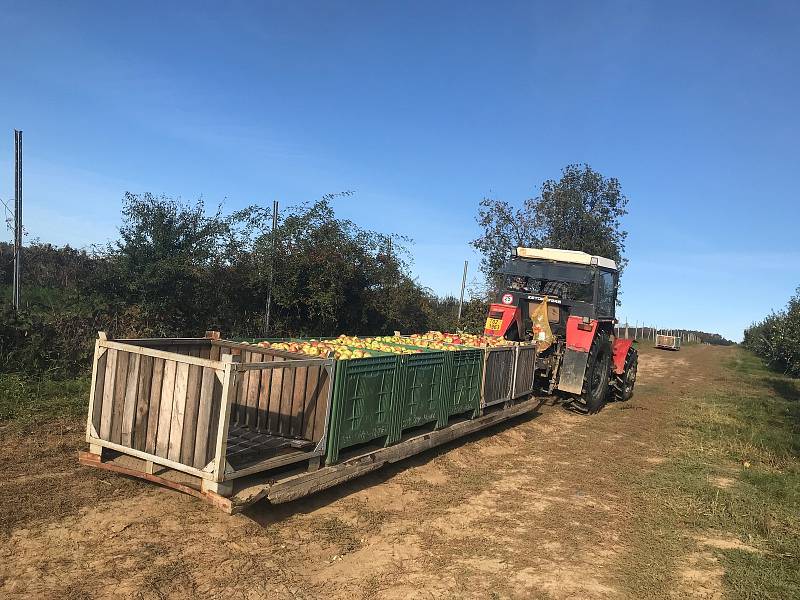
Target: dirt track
[537, 508]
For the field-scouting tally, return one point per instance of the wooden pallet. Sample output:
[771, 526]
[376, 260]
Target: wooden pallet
[286, 486]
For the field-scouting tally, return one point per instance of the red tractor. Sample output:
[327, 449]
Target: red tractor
[580, 355]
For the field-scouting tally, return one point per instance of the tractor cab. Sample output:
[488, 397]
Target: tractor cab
[574, 284]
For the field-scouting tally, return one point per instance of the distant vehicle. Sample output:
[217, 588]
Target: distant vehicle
[668, 342]
[581, 356]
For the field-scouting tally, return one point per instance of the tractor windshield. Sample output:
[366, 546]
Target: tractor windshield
[565, 281]
[580, 292]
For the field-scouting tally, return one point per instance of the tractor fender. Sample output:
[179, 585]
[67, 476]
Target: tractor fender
[506, 314]
[580, 339]
[576, 354]
[619, 352]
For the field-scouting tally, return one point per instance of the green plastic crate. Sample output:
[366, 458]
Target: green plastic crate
[363, 402]
[419, 392]
[463, 378]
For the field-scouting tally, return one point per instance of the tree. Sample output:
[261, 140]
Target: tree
[164, 259]
[580, 211]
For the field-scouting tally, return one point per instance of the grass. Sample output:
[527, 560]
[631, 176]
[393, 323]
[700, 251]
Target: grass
[28, 400]
[733, 473]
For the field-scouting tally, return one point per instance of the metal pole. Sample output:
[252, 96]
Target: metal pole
[461, 300]
[17, 219]
[271, 267]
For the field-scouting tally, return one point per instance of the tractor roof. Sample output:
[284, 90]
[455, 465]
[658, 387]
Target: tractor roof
[568, 256]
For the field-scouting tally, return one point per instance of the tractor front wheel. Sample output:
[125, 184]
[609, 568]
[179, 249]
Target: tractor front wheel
[596, 380]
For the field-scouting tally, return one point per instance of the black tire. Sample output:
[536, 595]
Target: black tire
[622, 384]
[596, 379]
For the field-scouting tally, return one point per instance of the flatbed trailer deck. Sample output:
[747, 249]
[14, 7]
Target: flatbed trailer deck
[293, 484]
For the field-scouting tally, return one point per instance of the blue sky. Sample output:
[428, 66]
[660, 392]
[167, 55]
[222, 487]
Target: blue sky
[423, 108]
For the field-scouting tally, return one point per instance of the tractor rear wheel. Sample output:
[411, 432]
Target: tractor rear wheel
[622, 383]
[596, 380]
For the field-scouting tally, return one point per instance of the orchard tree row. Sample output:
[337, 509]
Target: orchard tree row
[776, 338]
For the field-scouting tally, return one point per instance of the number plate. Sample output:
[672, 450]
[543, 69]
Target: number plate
[494, 324]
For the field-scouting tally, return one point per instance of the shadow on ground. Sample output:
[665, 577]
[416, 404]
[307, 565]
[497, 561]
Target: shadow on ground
[265, 513]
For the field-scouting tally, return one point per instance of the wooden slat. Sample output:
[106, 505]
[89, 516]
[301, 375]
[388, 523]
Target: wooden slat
[99, 385]
[323, 385]
[120, 384]
[204, 411]
[274, 410]
[108, 395]
[286, 400]
[92, 460]
[298, 402]
[215, 352]
[129, 408]
[163, 341]
[142, 402]
[263, 399]
[277, 361]
[205, 352]
[178, 412]
[192, 360]
[239, 409]
[253, 385]
[190, 415]
[214, 423]
[165, 411]
[313, 402]
[155, 404]
[238, 346]
[229, 379]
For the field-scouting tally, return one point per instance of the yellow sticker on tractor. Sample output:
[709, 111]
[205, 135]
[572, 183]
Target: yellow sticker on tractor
[494, 324]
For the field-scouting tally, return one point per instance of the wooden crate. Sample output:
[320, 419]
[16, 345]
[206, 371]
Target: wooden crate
[668, 342]
[498, 372]
[209, 408]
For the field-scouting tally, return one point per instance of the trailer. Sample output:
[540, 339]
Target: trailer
[668, 342]
[234, 423]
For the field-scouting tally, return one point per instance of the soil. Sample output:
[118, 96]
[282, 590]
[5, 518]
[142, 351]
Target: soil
[537, 508]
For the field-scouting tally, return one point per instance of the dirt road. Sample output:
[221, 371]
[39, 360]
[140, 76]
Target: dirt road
[540, 508]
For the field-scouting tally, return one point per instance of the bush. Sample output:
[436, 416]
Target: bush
[776, 339]
[54, 345]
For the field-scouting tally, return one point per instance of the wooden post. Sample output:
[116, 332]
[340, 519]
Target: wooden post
[221, 444]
